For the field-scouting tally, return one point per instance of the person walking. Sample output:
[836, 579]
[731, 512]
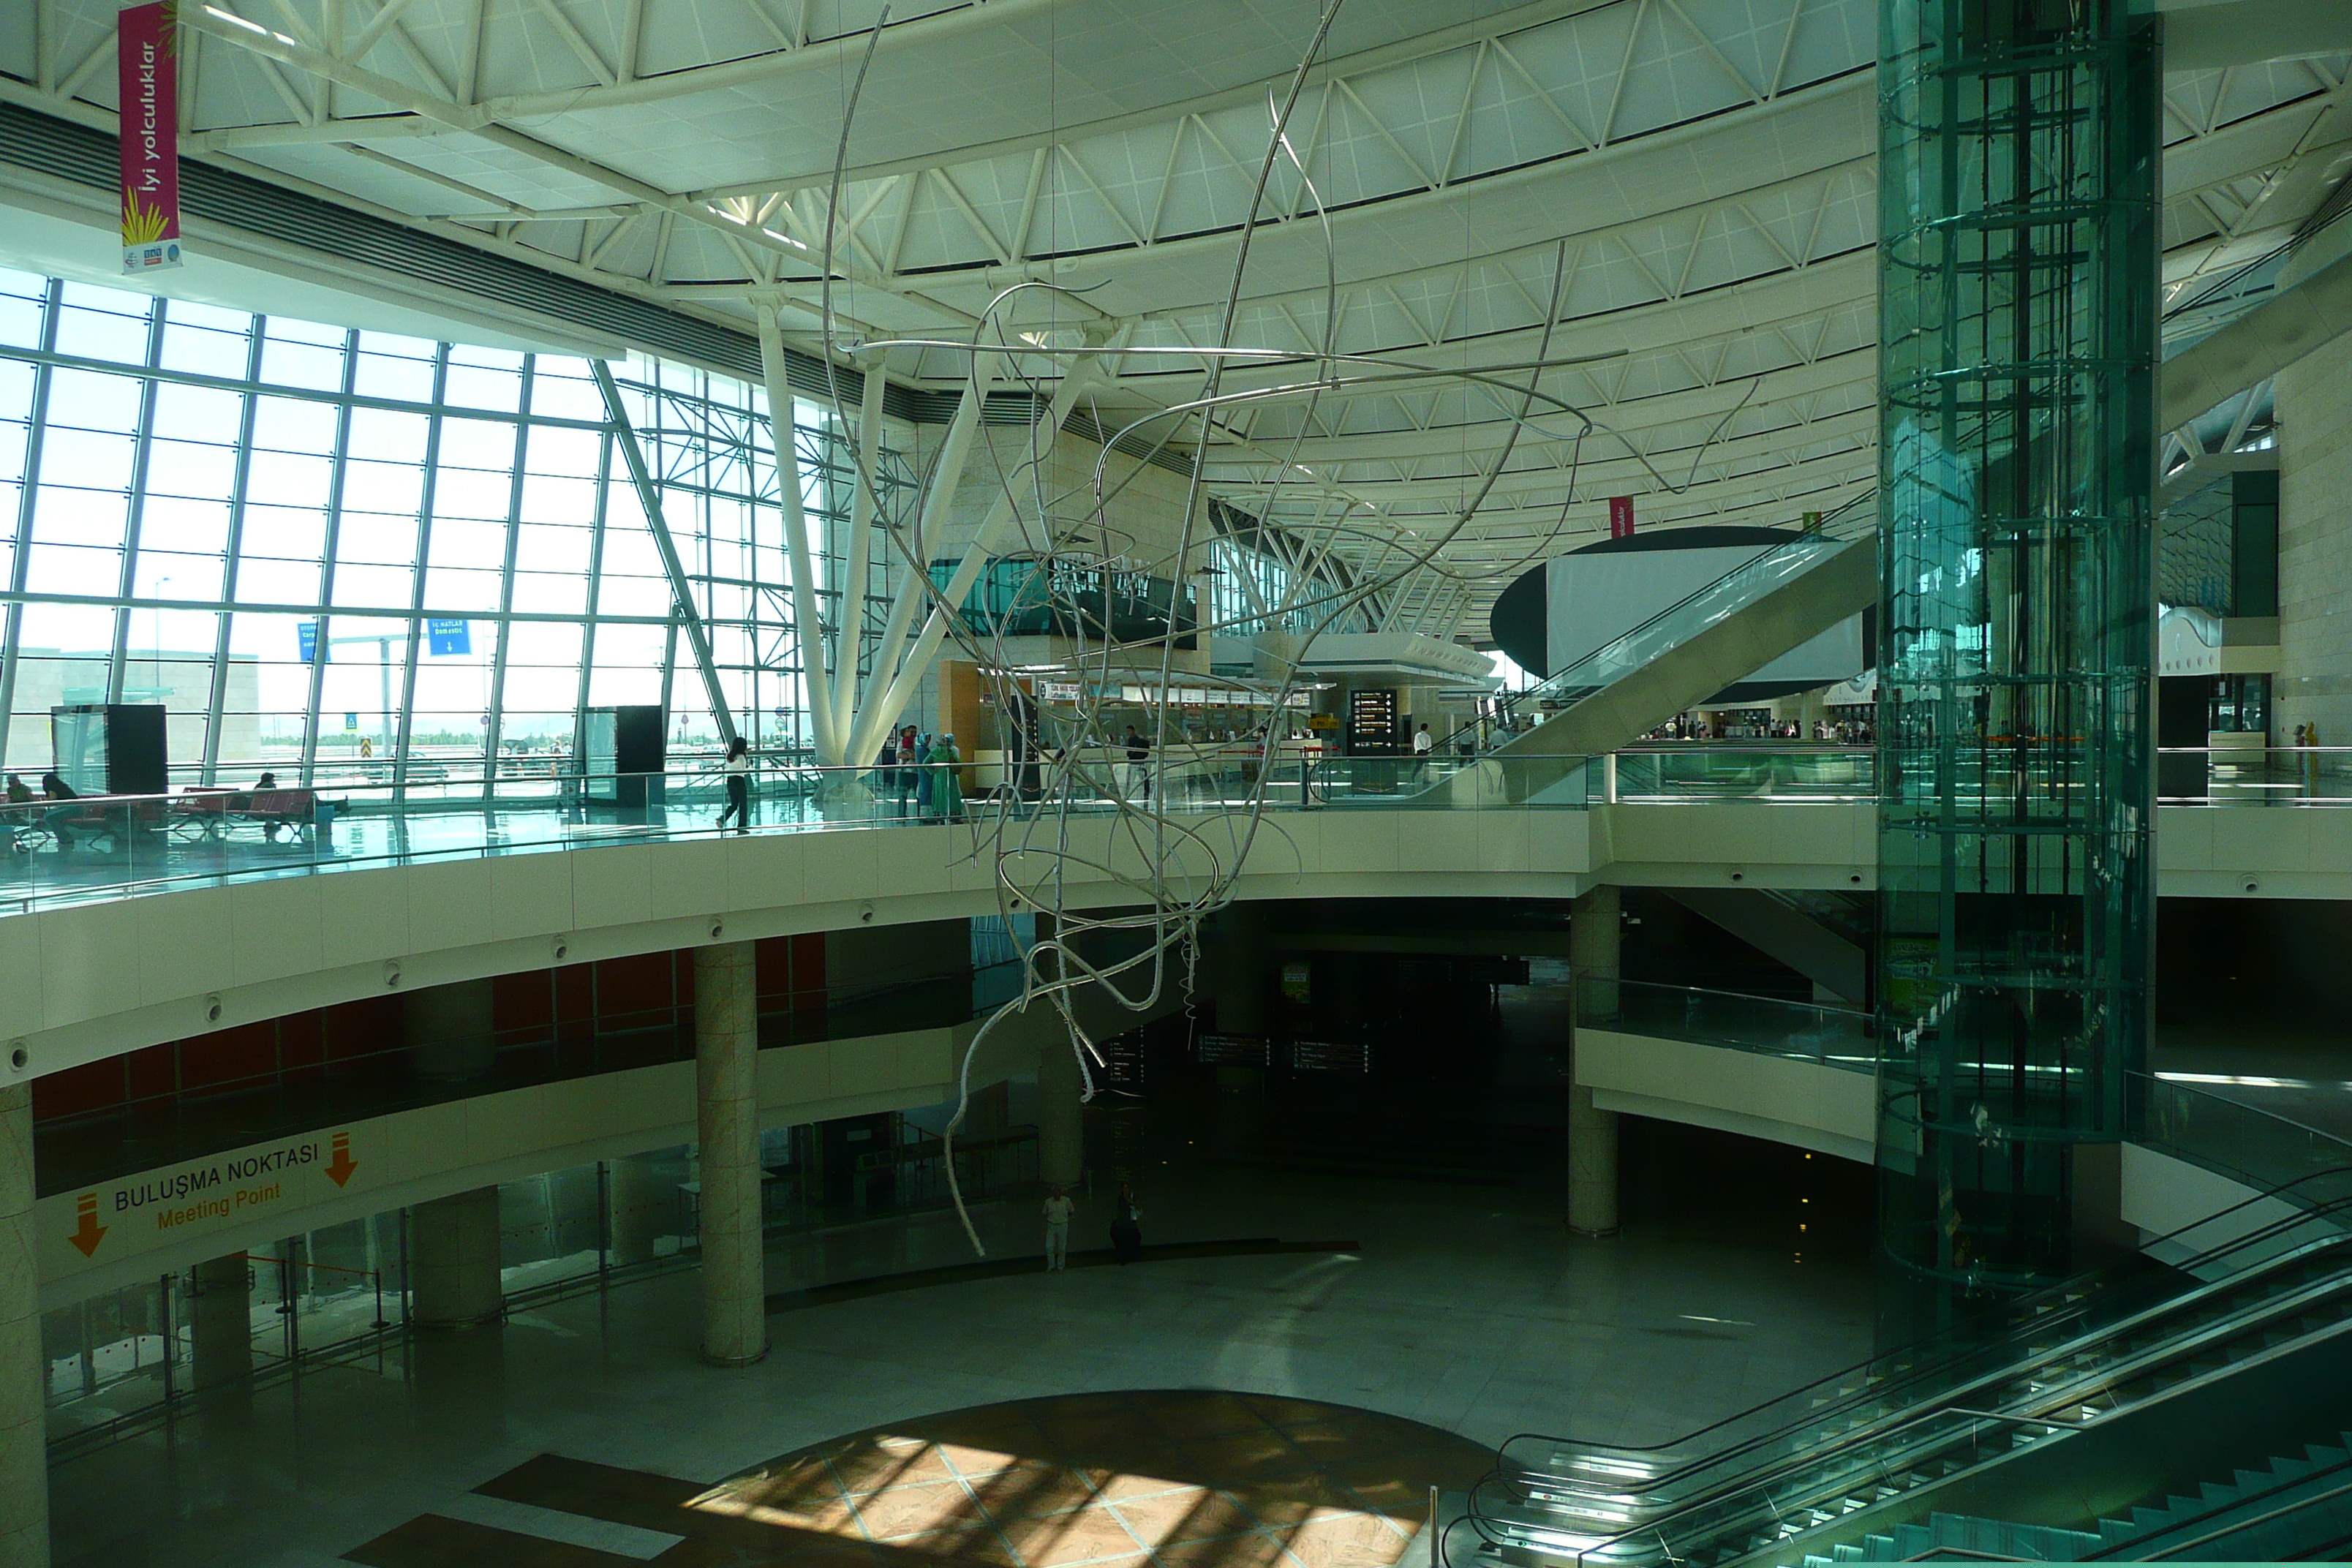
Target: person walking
[910, 774]
[1059, 1209]
[886, 765]
[946, 791]
[1422, 743]
[1138, 766]
[1127, 1230]
[738, 768]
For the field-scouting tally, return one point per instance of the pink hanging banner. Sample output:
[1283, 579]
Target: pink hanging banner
[1621, 517]
[146, 57]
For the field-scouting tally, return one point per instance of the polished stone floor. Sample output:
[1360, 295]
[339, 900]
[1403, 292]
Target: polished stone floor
[1154, 1479]
[1469, 1309]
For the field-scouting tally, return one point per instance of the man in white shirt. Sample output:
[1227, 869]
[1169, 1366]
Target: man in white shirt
[1421, 742]
[1059, 1209]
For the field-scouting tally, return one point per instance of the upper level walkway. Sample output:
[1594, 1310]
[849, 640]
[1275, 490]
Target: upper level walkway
[128, 921]
[111, 848]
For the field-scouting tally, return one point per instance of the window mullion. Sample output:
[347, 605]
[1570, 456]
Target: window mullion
[400, 750]
[492, 732]
[20, 562]
[215, 704]
[596, 602]
[321, 652]
[142, 445]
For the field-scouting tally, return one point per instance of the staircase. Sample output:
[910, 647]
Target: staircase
[2291, 1508]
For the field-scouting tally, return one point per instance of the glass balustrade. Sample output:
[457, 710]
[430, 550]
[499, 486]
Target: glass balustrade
[59, 851]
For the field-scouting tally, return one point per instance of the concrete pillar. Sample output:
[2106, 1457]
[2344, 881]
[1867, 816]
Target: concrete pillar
[24, 1423]
[726, 1117]
[1593, 931]
[645, 1208]
[449, 1031]
[1061, 1119]
[453, 1261]
[220, 1320]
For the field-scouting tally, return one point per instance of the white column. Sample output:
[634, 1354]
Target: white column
[453, 1261]
[220, 1319]
[24, 1424]
[1592, 958]
[727, 1115]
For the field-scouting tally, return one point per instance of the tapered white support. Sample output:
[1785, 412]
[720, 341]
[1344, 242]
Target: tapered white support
[807, 632]
[865, 508]
[880, 714]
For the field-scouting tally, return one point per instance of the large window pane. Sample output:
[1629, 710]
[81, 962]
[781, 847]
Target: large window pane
[252, 529]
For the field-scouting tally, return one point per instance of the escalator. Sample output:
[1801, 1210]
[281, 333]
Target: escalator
[1769, 605]
[2075, 1395]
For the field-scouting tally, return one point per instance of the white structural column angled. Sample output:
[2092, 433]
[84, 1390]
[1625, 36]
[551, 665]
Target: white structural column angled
[1593, 932]
[807, 628]
[864, 511]
[889, 687]
[24, 1424]
[727, 1120]
[454, 1261]
[880, 714]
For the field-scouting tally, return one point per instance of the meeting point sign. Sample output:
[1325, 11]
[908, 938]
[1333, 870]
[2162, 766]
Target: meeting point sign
[113, 1220]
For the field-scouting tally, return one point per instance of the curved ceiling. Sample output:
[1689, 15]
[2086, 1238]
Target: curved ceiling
[1693, 180]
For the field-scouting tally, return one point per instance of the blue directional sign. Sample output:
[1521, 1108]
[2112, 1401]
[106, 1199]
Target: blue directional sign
[308, 631]
[448, 637]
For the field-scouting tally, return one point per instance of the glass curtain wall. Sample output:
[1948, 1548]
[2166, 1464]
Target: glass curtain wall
[350, 557]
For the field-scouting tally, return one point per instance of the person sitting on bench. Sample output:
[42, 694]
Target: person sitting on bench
[57, 822]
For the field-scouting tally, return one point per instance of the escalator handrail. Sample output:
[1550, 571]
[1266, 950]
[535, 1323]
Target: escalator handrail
[1955, 1399]
[1879, 1433]
[2072, 1286]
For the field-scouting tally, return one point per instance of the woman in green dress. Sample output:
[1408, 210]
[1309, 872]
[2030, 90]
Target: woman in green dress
[943, 790]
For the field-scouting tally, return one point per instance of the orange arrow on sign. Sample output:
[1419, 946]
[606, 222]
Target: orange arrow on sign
[90, 1232]
[340, 1168]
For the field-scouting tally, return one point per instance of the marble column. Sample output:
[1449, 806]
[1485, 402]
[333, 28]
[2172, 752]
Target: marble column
[1593, 931]
[727, 1116]
[220, 1320]
[449, 1030]
[453, 1261]
[645, 1208]
[24, 1423]
[1061, 1118]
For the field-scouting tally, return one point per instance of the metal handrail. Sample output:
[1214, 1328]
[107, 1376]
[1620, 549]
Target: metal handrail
[1878, 1435]
[1875, 1434]
[2074, 1286]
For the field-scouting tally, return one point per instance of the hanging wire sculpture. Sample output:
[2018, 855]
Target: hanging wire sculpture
[1156, 873]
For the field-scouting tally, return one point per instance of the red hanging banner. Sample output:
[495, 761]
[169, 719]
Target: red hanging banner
[1621, 517]
[146, 58]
